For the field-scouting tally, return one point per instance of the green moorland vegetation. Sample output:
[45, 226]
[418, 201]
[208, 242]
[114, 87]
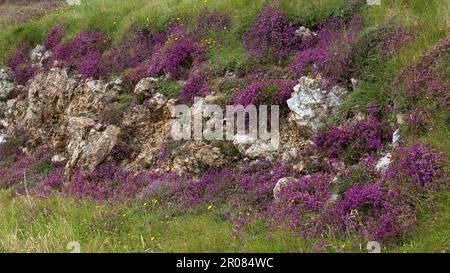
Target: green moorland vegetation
[35, 224]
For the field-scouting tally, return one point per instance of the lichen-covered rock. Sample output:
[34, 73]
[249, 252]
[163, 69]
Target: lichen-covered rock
[88, 147]
[6, 83]
[311, 105]
[145, 88]
[98, 147]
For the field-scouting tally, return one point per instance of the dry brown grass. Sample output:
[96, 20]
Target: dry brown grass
[21, 11]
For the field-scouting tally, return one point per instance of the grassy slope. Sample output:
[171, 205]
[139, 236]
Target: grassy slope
[48, 224]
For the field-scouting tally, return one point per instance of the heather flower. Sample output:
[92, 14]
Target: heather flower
[196, 86]
[427, 79]
[330, 53]
[93, 65]
[352, 142]
[374, 212]
[373, 47]
[135, 48]
[265, 92]
[177, 57]
[54, 37]
[418, 165]
[20, 63]
[272, 35]
[304, 203]
[83, 52]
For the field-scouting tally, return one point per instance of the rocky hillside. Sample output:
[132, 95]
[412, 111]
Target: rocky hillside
[87, 111]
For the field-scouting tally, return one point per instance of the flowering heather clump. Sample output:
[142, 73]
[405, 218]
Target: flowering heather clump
[330, 53]
[107, 181]
[427, 79]
[83, 52]
[420, 166]
[208, 20]
[374, 212]
[372, 48]
[20, 63]
[352, 142]
[177, 57]
[418, 119]
[271, 35]
[195, 86]
[134, 48]
[304, 203]
[19, 167]
[266, 92]
[54, 180]
[93, 65]
[255, 182]
[54, 37]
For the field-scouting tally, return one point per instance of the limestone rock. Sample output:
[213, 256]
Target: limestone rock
[6, 83]
[310, 104]
[384, 162]
[145, 87]
[89, 147]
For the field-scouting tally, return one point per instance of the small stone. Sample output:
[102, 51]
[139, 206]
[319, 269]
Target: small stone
[383, 163]
[299, 166]
[396, 138]
[59, 158]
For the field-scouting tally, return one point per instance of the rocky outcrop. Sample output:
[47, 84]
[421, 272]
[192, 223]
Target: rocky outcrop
[6, 83]
[145, 88]
[89, 145]
[311, 105]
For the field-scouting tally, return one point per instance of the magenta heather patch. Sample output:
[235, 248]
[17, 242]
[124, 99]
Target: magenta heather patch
[177, 57]
[134, 48]
[54, 37]
[303, 203]
[93, 65]
[83, 52]
[265, 92]
[375, 212]
[427, 79]
[271, 35]
[20, 63]
[208, 20]
[352, 142]
[196, 86]
[420, 166]
[330, 53]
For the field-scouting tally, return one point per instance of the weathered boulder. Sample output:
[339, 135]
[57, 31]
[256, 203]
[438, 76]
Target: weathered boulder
[6, 83]
[98, 147]
[145, 88]
[88, 147]
[311, 105]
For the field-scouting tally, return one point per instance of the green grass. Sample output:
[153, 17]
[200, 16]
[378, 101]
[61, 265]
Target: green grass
[49, 224]
[433, 232]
